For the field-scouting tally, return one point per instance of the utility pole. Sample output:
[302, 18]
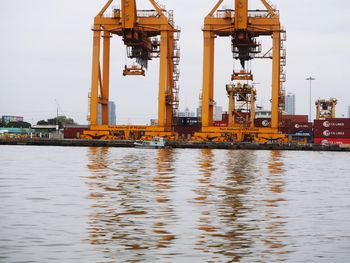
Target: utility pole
[310, 79]
[56, 115]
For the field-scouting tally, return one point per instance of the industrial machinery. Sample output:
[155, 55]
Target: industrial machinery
[147, 34]
[241, 110]
[243, 26]
[325, 109]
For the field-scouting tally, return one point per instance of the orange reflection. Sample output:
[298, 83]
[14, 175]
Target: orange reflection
[275, 229]
[163, 183]
[235, 210]
[131, 206]
[118, 212]
[204, 195]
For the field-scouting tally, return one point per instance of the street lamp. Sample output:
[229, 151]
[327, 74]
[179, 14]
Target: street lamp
[310, 79]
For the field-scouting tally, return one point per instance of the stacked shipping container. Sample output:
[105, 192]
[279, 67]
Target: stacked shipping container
[332, 131]
[186, 126]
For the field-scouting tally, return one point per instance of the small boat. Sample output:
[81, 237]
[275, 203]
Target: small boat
[156, 142]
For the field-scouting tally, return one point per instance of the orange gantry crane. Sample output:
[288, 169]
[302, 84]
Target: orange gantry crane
[243, 26]
[147, 34]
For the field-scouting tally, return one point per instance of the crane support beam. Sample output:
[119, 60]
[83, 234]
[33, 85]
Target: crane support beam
[95, 77]
[215, 8]
[163, 79]
[103, 10]
[129, 14]
[157, 7]
[208, 79]
[269, 8]
[276, 56]
[241, 14]
[105, 78]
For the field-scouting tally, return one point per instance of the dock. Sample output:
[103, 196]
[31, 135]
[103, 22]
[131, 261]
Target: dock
[174, 144]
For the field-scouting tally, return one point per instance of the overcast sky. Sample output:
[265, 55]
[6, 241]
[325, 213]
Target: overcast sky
[46, 48]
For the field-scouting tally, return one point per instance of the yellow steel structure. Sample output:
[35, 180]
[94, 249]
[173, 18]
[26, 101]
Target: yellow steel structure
[147, 34]
[325, 109]
[241, 110]
[243, 26]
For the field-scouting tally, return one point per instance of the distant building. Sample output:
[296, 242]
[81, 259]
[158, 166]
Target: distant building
[218, 111]
[348, 111]
[5, 119]
[290, 104]
[112, 119]
[199, 112]
[186, 113]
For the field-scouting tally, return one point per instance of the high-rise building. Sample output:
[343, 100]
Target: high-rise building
[290, 103]
[217, 113]
[112, 120]
[348, 111]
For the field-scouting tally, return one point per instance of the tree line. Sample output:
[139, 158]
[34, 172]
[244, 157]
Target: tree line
[61, 121]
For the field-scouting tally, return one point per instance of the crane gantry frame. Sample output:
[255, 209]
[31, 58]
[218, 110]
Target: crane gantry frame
[243, 26]
[325, 109]
[147, 34]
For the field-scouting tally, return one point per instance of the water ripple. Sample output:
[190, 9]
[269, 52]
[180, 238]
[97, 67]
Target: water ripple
[137, 205]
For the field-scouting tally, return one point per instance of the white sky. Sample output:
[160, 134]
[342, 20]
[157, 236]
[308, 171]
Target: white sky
[46, 47]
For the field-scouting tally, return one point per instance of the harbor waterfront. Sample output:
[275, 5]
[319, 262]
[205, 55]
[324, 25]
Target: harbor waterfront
[104, 204]
[178, 144]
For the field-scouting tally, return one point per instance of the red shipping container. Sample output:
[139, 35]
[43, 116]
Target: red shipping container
[331, 133]
[295, 118]
[225, 116]
[300, 127]
[332, 140]
[73, 132]
[333, 123]
[262, 122]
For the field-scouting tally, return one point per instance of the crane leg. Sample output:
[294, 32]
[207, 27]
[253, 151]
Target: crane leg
[95, 77]
[170, 65]
[208, 80]
[276, 36]
[163, 79]
[105, 80]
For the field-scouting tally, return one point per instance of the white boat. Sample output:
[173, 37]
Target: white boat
[156, 142]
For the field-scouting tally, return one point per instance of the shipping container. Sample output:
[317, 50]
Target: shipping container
[186, 121]
[225, 116]
[304, 127]
[74, 131]
[295, 118]
[262, 122]
[333, 123]
[185, 131]
[332, 141]
[331, 133]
